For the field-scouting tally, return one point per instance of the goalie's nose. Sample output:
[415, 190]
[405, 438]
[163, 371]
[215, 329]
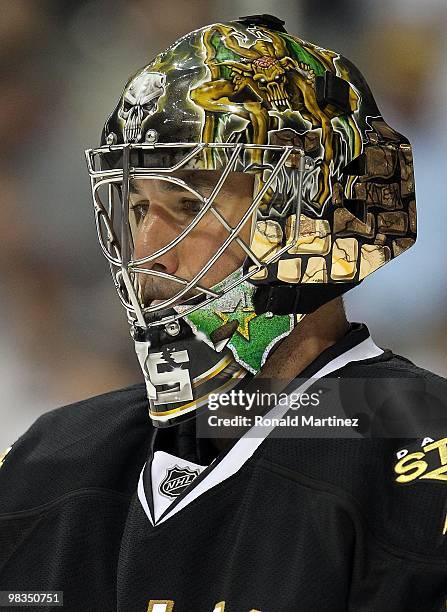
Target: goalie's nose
[156, 232]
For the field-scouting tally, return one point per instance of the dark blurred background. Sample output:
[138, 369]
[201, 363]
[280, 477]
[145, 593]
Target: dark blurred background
[64, 335]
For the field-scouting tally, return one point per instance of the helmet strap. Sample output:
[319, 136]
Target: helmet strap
[287, 299]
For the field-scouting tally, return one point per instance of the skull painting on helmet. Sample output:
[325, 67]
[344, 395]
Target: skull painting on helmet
[140, 101]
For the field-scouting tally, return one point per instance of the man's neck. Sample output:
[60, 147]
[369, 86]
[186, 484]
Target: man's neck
[314, 334]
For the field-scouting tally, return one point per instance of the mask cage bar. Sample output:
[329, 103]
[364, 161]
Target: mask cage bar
[207, 201]
[196, 148]
[112, 240]
[129, 268]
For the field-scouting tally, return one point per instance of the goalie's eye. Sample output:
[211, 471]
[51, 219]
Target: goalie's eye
[140, 210]
[183, 211]
[192, 207]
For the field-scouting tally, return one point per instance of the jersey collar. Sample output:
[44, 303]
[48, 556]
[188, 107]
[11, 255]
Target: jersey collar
[356, 345]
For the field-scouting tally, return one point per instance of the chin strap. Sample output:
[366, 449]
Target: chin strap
[294, 299]
[162, 335]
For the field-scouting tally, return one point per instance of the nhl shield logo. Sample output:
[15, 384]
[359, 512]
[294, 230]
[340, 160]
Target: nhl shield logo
[177, 479]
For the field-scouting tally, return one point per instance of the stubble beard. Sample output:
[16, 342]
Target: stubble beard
[155, 290]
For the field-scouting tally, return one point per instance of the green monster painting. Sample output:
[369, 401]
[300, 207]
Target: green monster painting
[260, 82]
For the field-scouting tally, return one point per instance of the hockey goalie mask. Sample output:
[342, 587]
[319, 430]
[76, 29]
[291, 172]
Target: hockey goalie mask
[245, 178]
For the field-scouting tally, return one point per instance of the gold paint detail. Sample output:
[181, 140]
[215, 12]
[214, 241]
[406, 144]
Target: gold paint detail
[441, 447]
[380, 239]
[406, 170]
[372, 257]
[392, 223]
[412, 466]
[314, 235]
[401, 244]
[168, 603]
[385, 195]
[223, 363]
[344, 259]
[316, 271]
[267, 239]
[444, 531]
[412, 215]
[380, 161]
[347, 223]
[3, 455]
[260, 275]
[289, 270]
[243, 317]
[337, 194]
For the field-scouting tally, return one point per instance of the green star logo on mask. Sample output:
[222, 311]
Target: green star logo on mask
[255, 335]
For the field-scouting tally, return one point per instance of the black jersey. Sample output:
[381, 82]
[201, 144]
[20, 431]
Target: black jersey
[97, 503]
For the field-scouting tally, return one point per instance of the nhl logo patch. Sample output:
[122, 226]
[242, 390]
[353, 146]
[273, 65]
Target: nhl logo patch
[177, 479]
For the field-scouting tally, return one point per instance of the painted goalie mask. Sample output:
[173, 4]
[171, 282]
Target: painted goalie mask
[245, 178]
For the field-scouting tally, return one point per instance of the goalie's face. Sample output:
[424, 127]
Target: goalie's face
[161, 209]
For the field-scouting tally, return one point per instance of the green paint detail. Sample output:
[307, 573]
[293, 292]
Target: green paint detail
[222, 54]
[302, 55]
[345, 127]
[348, 133]
[264, 331]
[205, 320]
